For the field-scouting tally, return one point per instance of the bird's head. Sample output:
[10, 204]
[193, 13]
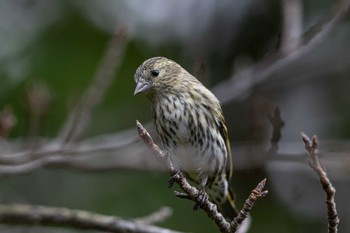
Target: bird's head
[157, 74]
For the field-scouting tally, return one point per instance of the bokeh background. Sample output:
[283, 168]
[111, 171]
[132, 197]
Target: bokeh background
[255, 55]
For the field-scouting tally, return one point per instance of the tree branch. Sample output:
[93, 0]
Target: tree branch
[155, 217]
[240, 84]
[255, 195]
[79, 118]
[312, 147]
[95, 144]
[192, 193]
[47, 216]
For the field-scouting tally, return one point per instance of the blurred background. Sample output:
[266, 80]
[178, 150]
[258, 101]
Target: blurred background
[67, 122]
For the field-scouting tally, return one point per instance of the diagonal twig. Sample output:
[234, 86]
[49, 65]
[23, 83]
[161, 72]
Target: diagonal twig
[79, 118]
[255, 195]
[156, 217]
[311, 145]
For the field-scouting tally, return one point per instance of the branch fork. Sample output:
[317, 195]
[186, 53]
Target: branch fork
[311, 145]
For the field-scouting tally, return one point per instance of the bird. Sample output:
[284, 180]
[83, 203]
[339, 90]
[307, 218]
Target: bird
[190, 123]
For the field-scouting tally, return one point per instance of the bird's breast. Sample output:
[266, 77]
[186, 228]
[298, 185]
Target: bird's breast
[187, 131]
[171, 119]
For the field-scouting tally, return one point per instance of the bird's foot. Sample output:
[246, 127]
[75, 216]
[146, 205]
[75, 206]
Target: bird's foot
[173, 178]
[202, 198]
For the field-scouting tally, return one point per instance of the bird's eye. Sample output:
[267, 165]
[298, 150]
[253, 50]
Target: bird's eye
[155, 73]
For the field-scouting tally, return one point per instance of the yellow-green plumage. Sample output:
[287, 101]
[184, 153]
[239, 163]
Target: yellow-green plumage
[191, 125]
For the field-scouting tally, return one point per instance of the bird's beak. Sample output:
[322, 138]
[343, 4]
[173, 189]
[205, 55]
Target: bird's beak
[141, 86]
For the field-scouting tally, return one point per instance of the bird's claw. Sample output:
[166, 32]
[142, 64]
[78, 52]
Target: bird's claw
[172, 179]
[202, 198]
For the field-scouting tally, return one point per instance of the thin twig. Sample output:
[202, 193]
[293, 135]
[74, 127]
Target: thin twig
[48, 216]
[88, 160]
[79, 118]
[82, 157]
[192, 193]
[311, 145]
[92, 145]
[255, 195]
[337, 12]
[156, 217]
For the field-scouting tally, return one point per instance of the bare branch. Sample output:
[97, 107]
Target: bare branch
[79, 118]
[256, 194]
[337, 13]
[89, 155]
[156, 217]
[240, 84]
[47, 216]
[92, 145]
[88, 159]
[312, 147]
[193, 194]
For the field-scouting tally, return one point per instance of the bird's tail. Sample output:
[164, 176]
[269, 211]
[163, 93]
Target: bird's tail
[228, 208]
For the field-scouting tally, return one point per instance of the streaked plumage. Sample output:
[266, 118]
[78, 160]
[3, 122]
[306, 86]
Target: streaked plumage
[191, 126]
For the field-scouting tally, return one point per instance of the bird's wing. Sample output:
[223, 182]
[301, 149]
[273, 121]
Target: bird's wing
[221, 124]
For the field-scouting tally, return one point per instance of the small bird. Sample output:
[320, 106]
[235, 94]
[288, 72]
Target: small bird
[190, 123]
